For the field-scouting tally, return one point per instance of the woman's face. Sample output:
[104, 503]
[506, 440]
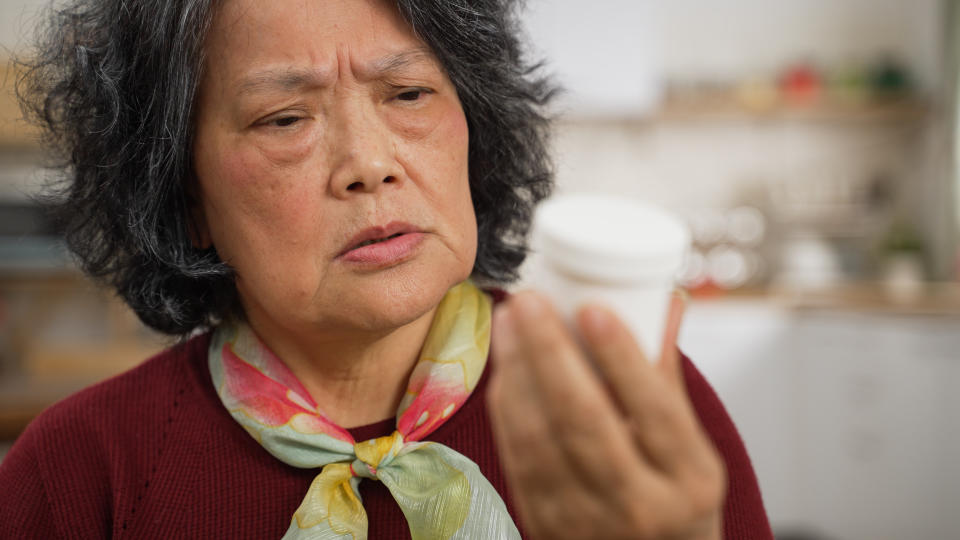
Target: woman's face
[322, 125]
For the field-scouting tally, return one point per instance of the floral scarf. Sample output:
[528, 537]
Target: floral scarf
[440, 491]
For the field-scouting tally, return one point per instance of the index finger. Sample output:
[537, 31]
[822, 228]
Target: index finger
[654, 398]
[573, 400]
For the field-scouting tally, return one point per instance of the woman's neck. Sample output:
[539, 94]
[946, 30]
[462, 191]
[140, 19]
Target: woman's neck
[355, 378]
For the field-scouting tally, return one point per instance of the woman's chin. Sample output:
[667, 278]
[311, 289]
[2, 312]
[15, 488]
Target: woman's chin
[397, 304]
[402, 294]
[385, 304]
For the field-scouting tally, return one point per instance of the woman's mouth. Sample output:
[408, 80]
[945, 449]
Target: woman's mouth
[383, 246]
[377, 241]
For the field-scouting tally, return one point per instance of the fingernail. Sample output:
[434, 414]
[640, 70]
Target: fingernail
[682, 295]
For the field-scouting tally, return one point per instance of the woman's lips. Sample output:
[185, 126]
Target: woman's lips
[393, 250]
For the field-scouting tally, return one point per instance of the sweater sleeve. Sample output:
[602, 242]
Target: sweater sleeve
[24, 505]
[744, 517]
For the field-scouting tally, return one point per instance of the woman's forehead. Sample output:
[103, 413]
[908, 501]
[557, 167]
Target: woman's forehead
[289, 78]
[318, 36]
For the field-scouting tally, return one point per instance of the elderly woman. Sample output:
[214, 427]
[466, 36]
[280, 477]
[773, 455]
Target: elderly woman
[311, 189]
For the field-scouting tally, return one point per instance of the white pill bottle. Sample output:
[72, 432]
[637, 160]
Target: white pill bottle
[617, 251]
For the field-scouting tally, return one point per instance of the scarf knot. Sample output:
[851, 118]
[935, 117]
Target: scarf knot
[375, 454]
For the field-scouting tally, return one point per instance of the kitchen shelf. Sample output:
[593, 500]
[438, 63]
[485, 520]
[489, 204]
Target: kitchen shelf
[726, 107]
[720, 108]
[928, 299]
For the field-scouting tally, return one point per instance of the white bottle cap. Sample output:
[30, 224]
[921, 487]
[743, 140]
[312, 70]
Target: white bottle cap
[607, 239]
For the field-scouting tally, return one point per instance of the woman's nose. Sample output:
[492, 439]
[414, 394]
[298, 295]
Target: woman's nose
[363, 152]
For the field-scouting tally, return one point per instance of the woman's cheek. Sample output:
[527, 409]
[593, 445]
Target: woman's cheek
[269, 201]
[453, 135]
[277, 162]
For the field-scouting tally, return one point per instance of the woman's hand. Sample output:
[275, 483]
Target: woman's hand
[612, 452]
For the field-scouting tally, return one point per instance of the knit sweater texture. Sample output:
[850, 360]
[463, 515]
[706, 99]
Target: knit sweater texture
[153, 453]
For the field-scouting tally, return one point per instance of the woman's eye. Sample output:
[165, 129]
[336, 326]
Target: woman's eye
[285, 121]
[411, 95]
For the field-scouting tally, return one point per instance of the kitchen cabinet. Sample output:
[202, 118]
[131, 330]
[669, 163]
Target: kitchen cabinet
[849, 416]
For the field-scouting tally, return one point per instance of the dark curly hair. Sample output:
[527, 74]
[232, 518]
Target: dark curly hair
[112, 83]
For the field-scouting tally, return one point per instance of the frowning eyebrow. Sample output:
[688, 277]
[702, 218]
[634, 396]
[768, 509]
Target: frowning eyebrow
[396, 62]
[290, 79]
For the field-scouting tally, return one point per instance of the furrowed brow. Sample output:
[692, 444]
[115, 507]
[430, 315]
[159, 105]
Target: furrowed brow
[291, 79]
[283, 80]
[393, 63]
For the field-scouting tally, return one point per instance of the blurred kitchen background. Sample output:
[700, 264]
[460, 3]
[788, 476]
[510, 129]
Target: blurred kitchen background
[811, 146]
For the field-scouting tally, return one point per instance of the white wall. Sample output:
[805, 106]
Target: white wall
[605, 55]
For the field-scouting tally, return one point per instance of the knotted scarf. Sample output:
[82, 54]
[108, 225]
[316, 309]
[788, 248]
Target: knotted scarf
[441, 492]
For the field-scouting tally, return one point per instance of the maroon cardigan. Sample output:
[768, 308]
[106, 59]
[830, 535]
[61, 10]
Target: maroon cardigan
[153, 453]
